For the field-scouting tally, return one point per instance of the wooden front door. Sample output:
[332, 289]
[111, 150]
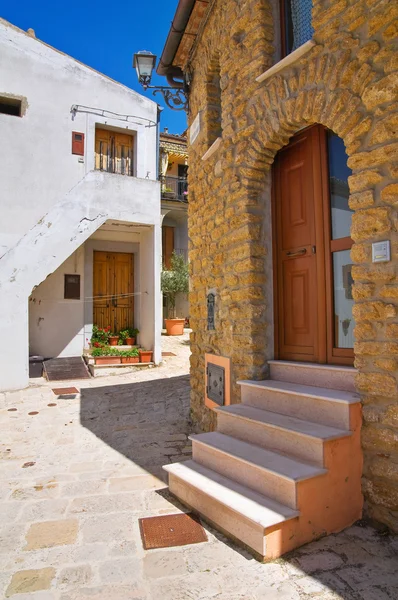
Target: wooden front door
[113, 287]
[306, 299]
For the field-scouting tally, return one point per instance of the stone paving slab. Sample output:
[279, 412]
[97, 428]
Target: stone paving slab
[69, 521]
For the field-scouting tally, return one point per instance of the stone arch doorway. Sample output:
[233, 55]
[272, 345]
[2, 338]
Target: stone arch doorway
[311, 249]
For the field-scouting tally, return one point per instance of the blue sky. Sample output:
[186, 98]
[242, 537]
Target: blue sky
[104, 35]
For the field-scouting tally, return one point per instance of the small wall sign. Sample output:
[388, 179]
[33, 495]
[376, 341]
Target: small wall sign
[210, 312]
[381, 251]
[194, 130]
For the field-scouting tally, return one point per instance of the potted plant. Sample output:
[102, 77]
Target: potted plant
[130, 356]
[113, 339]
[173, 282]
[100, 336]
[168, 193]
[106, 356]
[145, 356]
[128, 336]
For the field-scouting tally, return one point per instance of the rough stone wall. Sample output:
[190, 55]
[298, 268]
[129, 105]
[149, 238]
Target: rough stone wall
[347, 82]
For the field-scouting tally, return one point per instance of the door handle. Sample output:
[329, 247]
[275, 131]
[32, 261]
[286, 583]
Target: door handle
[297, 253]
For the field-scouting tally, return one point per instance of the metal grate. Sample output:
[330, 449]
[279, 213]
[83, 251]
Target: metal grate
[302, 22]
[58, 369]
[171, 530]
[64, 390]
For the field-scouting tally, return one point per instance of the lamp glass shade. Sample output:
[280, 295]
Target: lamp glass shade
[144, 63]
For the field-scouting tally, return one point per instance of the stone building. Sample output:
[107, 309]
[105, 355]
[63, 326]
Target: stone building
[293, 156]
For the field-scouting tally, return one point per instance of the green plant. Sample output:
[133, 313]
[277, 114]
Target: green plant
[132, 352]
[106, 351]
[127, 333]
[97, 352]
[100, 335]
[175, 280]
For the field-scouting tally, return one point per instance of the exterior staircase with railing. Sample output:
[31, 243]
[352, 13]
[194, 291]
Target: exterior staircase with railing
[284, 466]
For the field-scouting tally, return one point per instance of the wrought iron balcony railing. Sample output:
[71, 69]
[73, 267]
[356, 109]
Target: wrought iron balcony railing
[174, 188]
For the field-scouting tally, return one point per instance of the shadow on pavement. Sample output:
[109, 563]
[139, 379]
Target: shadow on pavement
[147, 422]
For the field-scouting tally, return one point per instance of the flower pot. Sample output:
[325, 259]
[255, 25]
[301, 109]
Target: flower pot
[107, 360]
[113, 340]
[130, 341]
[130, 360]
[145, 356]
[175, 326]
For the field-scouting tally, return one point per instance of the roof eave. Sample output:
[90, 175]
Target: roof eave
[177, 29]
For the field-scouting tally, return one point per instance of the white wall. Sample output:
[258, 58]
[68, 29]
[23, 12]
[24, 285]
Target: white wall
[56, 325]
[51, 200]
[37, 167]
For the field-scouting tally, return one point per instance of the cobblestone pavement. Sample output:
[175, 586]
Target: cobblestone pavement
[78, 471]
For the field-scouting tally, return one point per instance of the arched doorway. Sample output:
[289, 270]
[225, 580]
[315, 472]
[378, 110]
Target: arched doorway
[312, 264]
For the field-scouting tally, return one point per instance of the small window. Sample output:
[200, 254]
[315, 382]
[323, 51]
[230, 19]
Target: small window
[77, 143]
[213, 101]
[10, 106]
[296, 24]
[72, 287]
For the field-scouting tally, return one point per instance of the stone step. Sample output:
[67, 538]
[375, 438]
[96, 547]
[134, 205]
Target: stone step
[234, 508]
[320, 405]
[281, 433]
[326, 376]
[269, 473]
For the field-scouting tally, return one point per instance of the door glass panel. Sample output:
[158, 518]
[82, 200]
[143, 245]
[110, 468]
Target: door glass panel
[338, 181]
[343, 302]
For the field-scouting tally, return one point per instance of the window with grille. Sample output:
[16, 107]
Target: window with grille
[296, 24]
[114, 152]
[213, 109]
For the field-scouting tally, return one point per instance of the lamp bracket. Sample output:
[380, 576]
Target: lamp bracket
[175, 98]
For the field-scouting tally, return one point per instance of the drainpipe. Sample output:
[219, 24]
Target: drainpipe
[175, 76]
[159, 111]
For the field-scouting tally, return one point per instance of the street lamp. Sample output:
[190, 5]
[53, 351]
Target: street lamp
[175, 97]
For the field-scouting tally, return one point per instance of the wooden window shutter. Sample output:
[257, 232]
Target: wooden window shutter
[78, 143]
[167, 245]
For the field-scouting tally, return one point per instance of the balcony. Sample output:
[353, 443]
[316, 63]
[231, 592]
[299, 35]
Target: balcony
[174, 188]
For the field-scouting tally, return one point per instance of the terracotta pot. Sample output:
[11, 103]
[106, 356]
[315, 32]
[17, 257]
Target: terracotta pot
[145, 356]
[113, 340]
[175, 326]
[130, 360]
[130, 341]
[107, 360]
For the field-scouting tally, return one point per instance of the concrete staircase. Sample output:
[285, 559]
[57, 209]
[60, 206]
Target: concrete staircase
[284, 467]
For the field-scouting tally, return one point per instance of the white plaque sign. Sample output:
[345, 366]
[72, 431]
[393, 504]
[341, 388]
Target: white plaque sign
[194, 130]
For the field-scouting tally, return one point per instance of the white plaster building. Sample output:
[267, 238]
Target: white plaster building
[79, 195]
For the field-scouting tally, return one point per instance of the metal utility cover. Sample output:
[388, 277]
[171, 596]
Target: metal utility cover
[65, 391]
[171, 530]
[215, 383]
